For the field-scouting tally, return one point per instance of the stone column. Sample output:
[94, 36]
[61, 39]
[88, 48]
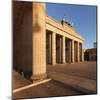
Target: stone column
[82, 53]
[53, 48]
[63, 51]
[39, 42]
[50, 48]
[72, 51]
[78, 52]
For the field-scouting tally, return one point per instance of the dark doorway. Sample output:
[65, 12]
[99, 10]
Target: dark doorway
[58, 48]
[68, 50]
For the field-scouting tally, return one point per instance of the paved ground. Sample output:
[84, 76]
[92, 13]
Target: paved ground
[83, 69]
[68, 79]
[81, 76]
[19, 81]
[49, 89]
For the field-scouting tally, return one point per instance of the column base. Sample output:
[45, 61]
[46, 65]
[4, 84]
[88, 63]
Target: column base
[39, 77]
[78, 61]
[63, 62]
[53, 63]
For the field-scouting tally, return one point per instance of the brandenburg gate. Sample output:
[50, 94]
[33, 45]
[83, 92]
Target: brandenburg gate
[39, 40]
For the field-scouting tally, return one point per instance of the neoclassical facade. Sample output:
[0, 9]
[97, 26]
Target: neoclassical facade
[63, 44]
[39, 40]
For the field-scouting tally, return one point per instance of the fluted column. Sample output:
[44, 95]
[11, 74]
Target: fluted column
[53, 48]
[63, 49]
[50, 48]
[73, 51]
[39, 41]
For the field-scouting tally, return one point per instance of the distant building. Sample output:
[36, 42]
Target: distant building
[91, 54]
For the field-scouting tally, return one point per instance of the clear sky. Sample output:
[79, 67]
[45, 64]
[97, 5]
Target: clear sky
[83, 17]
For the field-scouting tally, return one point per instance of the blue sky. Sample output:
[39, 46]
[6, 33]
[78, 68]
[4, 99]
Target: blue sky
[83, 17]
